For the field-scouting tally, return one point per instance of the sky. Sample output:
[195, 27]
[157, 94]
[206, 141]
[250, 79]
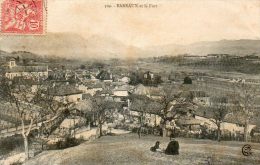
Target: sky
[141, 31]
[172, 22]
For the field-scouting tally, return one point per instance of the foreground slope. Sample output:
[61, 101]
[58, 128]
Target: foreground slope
[128, 149]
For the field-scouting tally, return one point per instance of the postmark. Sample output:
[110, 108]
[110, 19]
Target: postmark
[23, 17]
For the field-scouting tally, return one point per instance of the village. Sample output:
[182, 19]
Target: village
[57, 107]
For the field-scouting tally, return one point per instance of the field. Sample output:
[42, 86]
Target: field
[129, 149]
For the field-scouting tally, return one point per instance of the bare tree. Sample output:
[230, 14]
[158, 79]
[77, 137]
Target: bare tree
[141, 104]
[219, 110]
[27, 103]
[20, 96]
[125, 113]
[103, 110]
[176, 101]
[144, 105]
[244, 98]
[55, 111]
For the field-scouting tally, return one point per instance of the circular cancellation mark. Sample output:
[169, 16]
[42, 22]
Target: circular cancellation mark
[246, 150]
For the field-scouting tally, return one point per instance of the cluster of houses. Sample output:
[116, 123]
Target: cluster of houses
[77, 85]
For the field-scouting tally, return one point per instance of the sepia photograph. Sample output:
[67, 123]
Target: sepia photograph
[138, 82]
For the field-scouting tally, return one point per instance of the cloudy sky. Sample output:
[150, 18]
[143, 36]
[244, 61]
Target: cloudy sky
[173, 21]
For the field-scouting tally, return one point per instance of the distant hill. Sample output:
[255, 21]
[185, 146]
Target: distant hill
[234, 47]
[70, 45]
[4, 54]
[21, 54]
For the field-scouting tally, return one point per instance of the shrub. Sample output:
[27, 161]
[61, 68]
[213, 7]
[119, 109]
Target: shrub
[10, 143]
[187, 80]
[66, 143]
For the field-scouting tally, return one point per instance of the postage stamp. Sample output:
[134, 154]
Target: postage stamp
[23, 17]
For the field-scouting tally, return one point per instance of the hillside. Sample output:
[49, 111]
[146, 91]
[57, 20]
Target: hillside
[129, 149]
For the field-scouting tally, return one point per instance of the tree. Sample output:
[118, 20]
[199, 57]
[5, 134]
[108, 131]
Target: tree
[33, 105]
[144, 105]
[82, 66]
[135, 78]
[244, 100]
[187, 80]
[124, 112]
[20, 96]
[104, 110]
[53, 108]
[219, 110]
[176, 101]
[139, 103]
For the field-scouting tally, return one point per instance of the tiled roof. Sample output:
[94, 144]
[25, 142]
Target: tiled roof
[95, 85]
[64, 90]
[149, 106]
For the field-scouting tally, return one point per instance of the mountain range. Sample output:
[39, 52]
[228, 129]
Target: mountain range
[71, 45]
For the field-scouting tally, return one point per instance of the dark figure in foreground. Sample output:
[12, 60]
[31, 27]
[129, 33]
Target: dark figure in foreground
[155, 147]
[172, 148]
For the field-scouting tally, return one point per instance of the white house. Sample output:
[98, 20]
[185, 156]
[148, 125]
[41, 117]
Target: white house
[125, 80]
[93, 88]
[66, 93]
[69, 97]
[83, 88]
[121, 91]
[232, 127]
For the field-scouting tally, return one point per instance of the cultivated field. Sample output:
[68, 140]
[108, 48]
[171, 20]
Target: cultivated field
[129, 149]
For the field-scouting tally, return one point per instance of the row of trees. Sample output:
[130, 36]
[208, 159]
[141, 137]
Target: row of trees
[174, 102]
[177, 101]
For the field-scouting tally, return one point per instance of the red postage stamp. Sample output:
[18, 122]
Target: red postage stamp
[23, 17]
